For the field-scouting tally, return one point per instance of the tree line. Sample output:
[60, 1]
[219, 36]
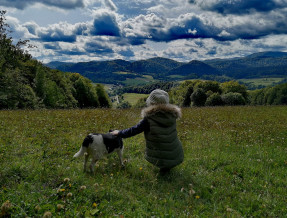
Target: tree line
[148, 88]
[211, 93]
[27, 83]
[200, 93]
[276, 95]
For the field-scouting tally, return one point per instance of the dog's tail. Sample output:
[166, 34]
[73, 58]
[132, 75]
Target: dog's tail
[80, 153]
[87, 141]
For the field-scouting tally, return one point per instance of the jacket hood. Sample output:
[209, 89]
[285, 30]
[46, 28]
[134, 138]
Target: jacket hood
[174, 110]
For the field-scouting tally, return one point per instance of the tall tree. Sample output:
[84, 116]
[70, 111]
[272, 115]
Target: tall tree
[103, 97]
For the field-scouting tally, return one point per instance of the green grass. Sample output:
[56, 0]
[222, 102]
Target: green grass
[123, 73]
[132, 98]
[262, 81]
[235, 165]
[139, 80]
[176, 77]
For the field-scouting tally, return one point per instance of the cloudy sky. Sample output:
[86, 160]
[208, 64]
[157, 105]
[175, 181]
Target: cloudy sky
[183, 30]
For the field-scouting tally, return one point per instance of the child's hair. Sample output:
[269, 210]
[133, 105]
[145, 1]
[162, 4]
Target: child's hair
[157, 96]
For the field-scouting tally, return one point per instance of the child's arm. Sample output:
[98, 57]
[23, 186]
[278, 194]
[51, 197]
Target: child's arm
[137, 129]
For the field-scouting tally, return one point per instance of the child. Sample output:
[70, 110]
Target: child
[163, 148]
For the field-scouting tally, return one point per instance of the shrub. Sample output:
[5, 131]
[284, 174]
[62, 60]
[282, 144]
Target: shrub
[212, 86]
[103, 97]
[140, 103]
[233, 98]
[235, 87]
[124, 105]
[257, 97]
[214, 100]
[198, 97]
[276, 95]
[181, 95]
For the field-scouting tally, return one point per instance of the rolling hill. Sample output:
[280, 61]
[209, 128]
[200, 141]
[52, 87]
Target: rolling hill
[258, 65]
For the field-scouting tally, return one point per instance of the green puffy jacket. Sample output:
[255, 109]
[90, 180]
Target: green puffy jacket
[163, 148]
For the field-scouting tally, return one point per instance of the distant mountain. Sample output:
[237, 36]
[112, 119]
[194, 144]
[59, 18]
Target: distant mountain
[147, 67]
[170, 64]
[57, 64]
[263, 64]
[194, 69]
[269, 54]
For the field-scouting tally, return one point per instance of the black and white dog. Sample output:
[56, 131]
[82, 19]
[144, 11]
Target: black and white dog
[99, 145]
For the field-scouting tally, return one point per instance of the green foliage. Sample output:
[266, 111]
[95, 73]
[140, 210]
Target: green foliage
[141, 103]
[124, 105]
[235, 165]
[276, 95]
[233, 98]
[104, 100]
[257, 97]
[209, 93]
[235, 87]
[54, 97]
[148, 88]
[214, 100]
[26, 83]
[84, 93]
[198, 97]
[180, 95]
[11, 53]
[212, 86]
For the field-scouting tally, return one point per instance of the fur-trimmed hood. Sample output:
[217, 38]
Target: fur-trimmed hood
[165, 108]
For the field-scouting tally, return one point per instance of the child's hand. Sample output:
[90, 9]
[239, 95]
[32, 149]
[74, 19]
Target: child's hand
[115, 132]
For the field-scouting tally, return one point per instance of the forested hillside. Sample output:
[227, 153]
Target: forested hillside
[27, 83]
[259, 65]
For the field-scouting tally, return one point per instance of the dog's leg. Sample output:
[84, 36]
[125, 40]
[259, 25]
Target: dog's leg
[86, 161]
[92, 165]
[120, 154]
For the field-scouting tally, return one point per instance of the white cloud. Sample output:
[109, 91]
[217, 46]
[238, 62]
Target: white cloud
[110, 5]
[179, 29]
[22, 4]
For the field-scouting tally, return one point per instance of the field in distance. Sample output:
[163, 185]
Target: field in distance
[262, 81]
[132, 98]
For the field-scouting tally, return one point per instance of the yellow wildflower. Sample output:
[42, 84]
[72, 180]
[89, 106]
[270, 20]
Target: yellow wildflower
[95, 205]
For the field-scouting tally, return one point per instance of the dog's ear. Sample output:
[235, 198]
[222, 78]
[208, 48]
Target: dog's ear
[111, 130]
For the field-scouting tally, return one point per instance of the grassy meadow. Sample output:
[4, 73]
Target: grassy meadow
[235, 165]
[133, 98]
[262, 81]
[138, 81]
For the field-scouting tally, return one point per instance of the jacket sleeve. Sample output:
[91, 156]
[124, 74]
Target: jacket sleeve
[137, 129]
